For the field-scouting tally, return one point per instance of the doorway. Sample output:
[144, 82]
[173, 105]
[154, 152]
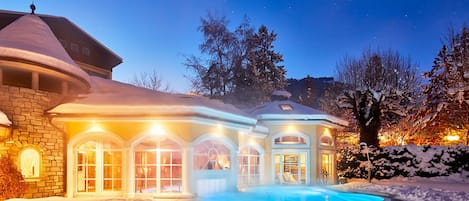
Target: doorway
[291, 167]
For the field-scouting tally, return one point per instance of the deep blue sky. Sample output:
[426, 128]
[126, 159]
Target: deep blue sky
[312, 35]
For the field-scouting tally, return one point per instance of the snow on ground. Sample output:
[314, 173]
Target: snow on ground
[451, 188]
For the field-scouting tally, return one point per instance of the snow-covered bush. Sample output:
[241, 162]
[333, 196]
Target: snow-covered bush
[12, 184]
[406, 161]
[348, 163]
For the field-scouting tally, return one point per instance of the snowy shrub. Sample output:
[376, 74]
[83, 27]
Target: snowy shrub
[460, 159]
[348, 164]
[12, 184]
[406, 161]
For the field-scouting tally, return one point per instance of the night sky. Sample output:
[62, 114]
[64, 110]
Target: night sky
[312, 35]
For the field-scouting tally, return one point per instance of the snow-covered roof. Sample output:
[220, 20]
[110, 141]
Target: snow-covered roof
[4, 119]
[108, 97]
[289, 110]
[30, 38]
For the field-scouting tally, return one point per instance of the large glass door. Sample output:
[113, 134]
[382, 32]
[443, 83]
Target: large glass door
[326, 167]
[290, 167]
[98, 167]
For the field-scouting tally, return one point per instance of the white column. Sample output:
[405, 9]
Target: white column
[186, 168]
[70, 172]
[314, 160]
[130, 192]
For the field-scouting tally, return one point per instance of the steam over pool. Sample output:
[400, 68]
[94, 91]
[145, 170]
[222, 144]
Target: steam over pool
[290, 193]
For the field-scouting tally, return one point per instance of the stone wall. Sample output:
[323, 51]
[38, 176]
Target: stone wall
[32, 129]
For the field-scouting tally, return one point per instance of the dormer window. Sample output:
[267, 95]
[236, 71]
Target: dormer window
[286, 107]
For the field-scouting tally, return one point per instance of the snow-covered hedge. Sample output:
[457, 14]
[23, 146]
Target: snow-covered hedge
[407, 161]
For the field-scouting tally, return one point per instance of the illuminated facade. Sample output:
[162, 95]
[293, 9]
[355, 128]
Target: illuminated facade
[74, 132]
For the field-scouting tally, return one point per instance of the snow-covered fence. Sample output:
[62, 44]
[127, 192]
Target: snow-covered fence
[407, 161]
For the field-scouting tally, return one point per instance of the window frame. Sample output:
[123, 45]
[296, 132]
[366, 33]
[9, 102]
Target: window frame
[99, 165]
[289, 134]
[158, 165]
[260, 167]
[212, 148]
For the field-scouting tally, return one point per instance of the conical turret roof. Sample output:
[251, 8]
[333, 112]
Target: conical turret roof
[29, 38]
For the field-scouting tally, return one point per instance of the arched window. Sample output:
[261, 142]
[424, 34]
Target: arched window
[30, 163]
[326, 140]
[158, 166]
[98, 164]
[290, 139]
[249, 166]
[211, 155]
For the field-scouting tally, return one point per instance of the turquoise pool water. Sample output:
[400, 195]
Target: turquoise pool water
[290, 193]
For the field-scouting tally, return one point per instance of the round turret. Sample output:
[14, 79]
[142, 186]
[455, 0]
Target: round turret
[32, 57]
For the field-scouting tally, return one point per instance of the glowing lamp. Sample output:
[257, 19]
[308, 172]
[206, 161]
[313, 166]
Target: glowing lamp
[291, 129]
[452, 137]
[157, 130]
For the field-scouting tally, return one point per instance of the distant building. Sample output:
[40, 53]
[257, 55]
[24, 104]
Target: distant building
[74, 132]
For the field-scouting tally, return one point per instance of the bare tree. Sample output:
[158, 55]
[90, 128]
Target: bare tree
[151, 81]
[380, 91]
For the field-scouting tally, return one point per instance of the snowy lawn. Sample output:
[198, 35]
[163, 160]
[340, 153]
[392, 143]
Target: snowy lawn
[452, 188]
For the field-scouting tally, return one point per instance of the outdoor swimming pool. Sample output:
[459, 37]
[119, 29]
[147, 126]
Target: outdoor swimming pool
[290, 193]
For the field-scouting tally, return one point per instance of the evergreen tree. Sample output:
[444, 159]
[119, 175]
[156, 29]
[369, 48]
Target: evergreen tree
[242, 67]
[263, 74]
[446, 103]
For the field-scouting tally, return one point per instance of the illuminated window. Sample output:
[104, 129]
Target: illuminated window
[158, 166]
[286, 107]
[112, 167]
[86, 167]
[326, 167]
[98, 163]
[249, 170]
[30, 163]
[211, 155]
[326, 141]
[290, 140]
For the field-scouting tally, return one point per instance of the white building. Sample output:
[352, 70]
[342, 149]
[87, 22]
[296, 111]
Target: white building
[77, 133]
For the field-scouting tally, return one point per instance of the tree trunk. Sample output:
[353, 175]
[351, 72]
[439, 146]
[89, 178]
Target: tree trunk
[369, 134]
[369, 129]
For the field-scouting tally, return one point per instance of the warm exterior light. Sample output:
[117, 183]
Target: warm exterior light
[95, 127]
[291, 129]
[452, 137]
[327, 132]
[218, 129]
[157, 130]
